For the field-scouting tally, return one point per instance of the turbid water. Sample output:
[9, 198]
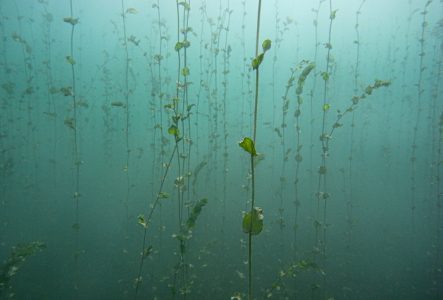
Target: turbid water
[183, 150]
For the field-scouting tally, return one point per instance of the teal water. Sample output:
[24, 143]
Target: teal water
[121, 173]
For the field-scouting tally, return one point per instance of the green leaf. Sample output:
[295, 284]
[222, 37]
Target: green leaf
[190, 107]
[173, 130]
[256, 62]
[325, 76]
[70, 60]
[147, 251]
[71, 20]
[163, 195]
[328, 45]
[175, 119]
[326, 106]
[141, 220]
[196, 210]
[333, 13]
[186, 44]
[248, 145]
[378, 83]
[304, 74]
[253, 221]
[178, 46]
[185, 5]
[185, 71]
[266, 45]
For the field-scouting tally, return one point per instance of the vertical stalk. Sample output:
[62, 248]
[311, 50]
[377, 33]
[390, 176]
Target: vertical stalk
[349, 204]
[74, 126]
[126, 97]
[420, 91]
[322, 194]
[311, 102]
[439, 203]
[226, 60]
[257, 73]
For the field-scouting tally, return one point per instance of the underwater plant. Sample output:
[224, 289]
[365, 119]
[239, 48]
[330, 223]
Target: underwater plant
[126, 168]
[166, 103]
[181, 126]
[298, 154]
[227, 51]
[12, 265]
[247, 92]
[350, 194]
[253, 220]
[158, 90]
[180, 111]
[51, 110]
[280, 129]
[145, 222]
[420, 91]
[279, 288]
[322, 193]
[438, 256]
[285, 152]
[73, 124]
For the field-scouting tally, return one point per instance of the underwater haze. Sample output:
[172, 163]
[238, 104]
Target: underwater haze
[221, 149]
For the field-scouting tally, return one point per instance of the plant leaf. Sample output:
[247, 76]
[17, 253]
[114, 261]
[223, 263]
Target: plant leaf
[173, 130]
[253, 221]
[248, 145]
[326, 106]
[256, 62]
[266, 45]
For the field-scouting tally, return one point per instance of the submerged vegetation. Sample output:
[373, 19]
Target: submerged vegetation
[221, 149]
[11, 266]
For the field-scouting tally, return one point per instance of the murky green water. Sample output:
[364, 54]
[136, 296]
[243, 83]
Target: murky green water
[164, 150]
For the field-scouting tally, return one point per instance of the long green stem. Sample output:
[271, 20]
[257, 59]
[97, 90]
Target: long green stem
[138, 279]
[420, 91]
[76, 225]
[349, 202]
[257, 73]
[126, 96]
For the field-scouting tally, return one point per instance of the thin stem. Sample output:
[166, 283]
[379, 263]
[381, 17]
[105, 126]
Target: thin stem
[138, 279]
[252, 156]
[76, 152]
[126, 96]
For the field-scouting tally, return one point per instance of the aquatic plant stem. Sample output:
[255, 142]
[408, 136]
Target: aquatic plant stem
[439, 191]
[76, 225]
[126, 96]
[321, 193]
[349, 202]
[257, 73]
[138, 279]
[420, 91]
